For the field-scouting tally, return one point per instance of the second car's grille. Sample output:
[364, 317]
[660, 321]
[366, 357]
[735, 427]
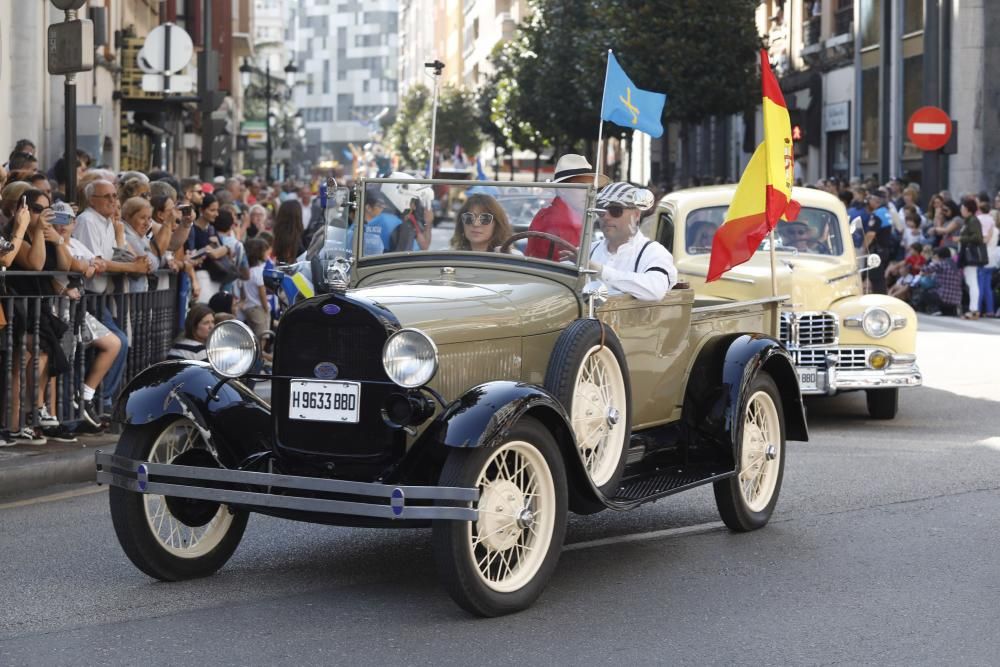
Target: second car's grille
[848, 358]
[807, 329]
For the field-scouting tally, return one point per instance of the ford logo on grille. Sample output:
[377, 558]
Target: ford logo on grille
[331, 309]
[326, 370]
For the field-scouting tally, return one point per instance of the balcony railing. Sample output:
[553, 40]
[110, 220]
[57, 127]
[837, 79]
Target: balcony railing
[811, 31]
[843, 20]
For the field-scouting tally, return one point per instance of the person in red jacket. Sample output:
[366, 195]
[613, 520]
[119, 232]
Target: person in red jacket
[564, 216]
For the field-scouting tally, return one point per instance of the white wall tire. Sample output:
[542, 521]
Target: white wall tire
[172, 538]
[500, 563]
[589, 376]
[747, 500]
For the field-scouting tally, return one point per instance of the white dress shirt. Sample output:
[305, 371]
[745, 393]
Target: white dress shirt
[97, 233]
[647, 277]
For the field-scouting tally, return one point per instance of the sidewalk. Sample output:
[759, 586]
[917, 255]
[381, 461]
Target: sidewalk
[34, 467]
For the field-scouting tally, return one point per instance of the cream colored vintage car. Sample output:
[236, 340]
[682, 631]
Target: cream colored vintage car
[840, 338]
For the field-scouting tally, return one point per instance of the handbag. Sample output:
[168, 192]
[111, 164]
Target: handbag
[222, 270]
[973, 254]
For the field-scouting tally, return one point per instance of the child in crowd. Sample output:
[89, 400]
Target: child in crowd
[256, 311]
[909, 271]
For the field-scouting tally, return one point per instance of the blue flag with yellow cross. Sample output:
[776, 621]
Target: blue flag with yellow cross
[626, 105]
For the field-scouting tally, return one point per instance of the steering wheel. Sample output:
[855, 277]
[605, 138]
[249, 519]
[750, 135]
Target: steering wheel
[551, 238]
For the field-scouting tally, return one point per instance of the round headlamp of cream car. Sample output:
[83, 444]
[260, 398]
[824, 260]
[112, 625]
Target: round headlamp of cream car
[232, 349]
[410, 358]
[876, 322]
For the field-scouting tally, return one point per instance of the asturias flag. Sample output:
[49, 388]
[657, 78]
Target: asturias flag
[628, 106]
[764, 193]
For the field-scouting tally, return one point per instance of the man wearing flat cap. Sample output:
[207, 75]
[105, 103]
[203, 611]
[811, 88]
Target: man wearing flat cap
[626, 261]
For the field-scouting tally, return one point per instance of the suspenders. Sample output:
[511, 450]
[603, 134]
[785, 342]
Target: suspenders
[639, 257]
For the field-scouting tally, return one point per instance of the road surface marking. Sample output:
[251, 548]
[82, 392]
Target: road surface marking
[930, 128]
[62, 495]
[642, 537]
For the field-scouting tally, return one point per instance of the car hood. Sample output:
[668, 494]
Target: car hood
[813, 282]
[473, 304]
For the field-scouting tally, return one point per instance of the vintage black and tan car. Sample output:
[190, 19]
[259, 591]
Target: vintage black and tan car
[482, 394]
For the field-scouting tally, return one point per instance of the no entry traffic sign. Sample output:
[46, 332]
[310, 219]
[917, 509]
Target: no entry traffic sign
[929, 128]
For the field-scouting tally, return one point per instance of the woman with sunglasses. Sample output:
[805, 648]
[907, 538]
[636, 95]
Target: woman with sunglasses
[482, 225]
[626, 261]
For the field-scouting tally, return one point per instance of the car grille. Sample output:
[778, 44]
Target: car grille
[848, 358]
[807, 329]
[352, 338]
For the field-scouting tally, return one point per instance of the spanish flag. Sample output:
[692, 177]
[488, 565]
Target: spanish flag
[764, 193]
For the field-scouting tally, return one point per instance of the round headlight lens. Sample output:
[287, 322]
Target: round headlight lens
[232, 348]
[877, 322]
[410, 358]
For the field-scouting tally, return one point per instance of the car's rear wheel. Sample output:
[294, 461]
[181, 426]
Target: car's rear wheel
[882, 403]
[500, 563]
[746, 500]
[589, 376]
[166, 537]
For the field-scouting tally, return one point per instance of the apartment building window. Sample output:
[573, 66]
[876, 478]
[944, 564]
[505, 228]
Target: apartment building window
[913, 16]
[326, 77]
[913, 95]
[871, 22]
[870, 112]
[812, 14]
[843, 17]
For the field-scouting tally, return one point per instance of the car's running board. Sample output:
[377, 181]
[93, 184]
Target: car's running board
[650, 487]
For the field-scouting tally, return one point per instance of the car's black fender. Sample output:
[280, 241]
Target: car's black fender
[718, 388]
[239, 422]
[483, 415]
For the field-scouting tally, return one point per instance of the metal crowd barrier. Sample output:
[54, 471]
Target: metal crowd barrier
[148, 320]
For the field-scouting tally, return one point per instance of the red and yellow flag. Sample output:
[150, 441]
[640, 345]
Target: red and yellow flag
[764, 193]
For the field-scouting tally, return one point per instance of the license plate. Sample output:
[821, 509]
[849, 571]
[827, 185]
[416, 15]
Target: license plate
[310, 400]
[808, 379]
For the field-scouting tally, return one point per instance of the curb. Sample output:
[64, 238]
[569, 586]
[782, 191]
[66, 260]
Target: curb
[33, 473]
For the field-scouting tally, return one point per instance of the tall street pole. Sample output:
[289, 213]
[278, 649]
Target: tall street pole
[267, 121]
[69, 91]
[206, 89]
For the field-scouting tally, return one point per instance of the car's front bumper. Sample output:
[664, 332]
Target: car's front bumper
[832, 379]
[268, 491]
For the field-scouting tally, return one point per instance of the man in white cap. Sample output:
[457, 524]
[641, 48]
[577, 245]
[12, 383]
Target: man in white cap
[564, 216]
[626, 261]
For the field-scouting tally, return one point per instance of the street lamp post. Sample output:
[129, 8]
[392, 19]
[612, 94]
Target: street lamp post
[246, 70]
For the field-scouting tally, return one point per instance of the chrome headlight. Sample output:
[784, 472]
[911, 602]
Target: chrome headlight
[410, 358]
[876, 322]
[232, 349]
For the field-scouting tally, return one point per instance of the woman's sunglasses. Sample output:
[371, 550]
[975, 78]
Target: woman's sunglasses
[38, 208]
[615, 210]
[482, 219]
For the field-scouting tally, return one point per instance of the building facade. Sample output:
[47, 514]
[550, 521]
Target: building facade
[347, 54]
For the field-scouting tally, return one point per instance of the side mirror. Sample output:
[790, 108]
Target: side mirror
[874, 261]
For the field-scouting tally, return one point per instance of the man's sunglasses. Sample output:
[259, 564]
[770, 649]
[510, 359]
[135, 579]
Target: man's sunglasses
[482, 219]
[615, 210]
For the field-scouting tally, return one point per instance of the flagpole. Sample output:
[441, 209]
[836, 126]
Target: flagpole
[600, 124]
[770, 245]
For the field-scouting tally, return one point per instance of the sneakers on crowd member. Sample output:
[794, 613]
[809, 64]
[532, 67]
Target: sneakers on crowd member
[7, 439]
[28, 436]
[89, 410]
[59, 433]
[43, 419]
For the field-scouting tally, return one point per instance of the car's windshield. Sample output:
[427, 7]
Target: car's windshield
[816, 231]
[532, 221]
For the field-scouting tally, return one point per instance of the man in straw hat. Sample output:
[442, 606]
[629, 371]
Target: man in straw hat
[564, 216]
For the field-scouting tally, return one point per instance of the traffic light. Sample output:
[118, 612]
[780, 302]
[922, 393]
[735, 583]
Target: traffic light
[797, 119]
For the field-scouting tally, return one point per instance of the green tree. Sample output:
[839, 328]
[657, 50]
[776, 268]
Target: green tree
[403, 135]
[457, 123]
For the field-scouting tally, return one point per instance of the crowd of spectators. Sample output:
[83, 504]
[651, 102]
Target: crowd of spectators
[126, 233]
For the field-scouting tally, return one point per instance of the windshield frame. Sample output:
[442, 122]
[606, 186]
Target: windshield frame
[780, 247]
[452, 257]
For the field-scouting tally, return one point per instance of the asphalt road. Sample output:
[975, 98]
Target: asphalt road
[883, 549]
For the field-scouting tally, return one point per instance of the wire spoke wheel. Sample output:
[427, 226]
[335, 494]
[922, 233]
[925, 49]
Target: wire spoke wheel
[597, 411]
[761, 452]
[517, 497]
[187, 535]
[747, 499]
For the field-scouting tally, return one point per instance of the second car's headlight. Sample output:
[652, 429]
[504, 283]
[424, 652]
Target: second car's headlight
[410, 358]
[876, 322]
[232, 349]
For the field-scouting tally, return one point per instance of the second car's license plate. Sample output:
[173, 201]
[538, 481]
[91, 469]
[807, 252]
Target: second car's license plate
[324, 401]
[808, 379]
